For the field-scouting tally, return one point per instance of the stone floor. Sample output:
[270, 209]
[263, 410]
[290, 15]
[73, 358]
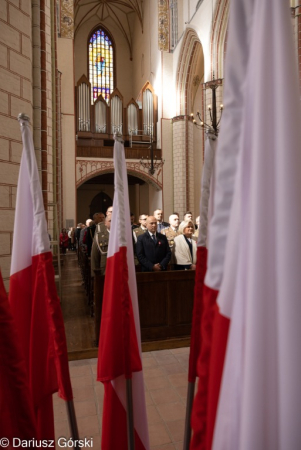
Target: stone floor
[165, 377]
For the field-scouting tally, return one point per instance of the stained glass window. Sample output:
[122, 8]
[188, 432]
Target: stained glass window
[101, 73]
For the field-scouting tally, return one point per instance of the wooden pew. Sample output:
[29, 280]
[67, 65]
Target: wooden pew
[165, 304]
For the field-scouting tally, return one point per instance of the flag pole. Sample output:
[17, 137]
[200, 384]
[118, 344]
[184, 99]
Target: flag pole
[128, 380]
[72, 421]
[187, 432]
[130, 415]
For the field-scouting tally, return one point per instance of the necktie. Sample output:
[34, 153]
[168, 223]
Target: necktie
[154, 238]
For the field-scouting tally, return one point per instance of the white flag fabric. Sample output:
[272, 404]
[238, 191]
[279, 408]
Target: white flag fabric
[119, 352]
[207, 188]
[260, 221]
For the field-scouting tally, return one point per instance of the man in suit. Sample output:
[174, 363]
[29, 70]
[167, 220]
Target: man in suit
[137, 232]
[152, 248]
[97, 218]
[158, 214]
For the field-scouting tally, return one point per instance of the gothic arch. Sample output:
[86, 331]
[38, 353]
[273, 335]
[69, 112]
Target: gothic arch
[218, 38]
[89, 169]
[190, 54]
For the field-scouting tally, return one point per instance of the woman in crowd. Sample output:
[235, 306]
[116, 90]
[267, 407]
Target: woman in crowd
[185, 247]
[64, 241]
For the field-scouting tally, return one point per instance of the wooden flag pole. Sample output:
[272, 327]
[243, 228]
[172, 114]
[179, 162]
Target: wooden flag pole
[130, 415]
[72, 422]
[190, 397]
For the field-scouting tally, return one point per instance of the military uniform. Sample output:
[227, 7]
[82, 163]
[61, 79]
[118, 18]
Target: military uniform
[100, 249]
[170, 234]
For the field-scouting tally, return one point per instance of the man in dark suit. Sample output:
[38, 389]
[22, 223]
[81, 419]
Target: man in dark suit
[152, 248]
[158, 214]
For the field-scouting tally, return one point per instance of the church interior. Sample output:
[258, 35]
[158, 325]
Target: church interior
[83, 71]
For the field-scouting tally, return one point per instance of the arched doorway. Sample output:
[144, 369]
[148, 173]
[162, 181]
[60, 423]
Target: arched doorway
[100, 203]
[96, 195]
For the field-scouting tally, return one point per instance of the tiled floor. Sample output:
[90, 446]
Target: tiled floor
[165, 377]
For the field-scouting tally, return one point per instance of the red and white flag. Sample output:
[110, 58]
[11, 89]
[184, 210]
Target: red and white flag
[33, 299]
[254, 240]
[119, 354]
[16, 407]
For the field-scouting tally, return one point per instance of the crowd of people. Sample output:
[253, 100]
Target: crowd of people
[157, 245]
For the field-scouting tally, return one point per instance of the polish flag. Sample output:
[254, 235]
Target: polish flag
[119, 354]
[34, 303]
[254, 242]
[214, 326]
[17, 415]
[206, 212]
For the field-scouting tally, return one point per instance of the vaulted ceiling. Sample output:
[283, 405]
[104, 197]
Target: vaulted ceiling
[118, 13]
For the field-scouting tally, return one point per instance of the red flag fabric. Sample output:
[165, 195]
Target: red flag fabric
[16, 407]
[119, 354]
[199, 413]
[33, 299]
[195, 342]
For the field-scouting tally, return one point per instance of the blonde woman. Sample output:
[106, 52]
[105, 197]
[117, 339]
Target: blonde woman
[185, 247]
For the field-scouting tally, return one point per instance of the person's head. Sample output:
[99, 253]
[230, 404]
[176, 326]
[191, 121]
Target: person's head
[143, 219]
[174, 220]
[187, 228]
[98, 217]
[108, 222]
[79, 225]
[151, 224]
[158, 214]
[132, 218]
[188, 215]
[63, 230]
[109, 211]
[197, 221]
[88, 221]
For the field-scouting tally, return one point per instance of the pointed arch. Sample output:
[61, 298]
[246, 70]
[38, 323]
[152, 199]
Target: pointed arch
[191, 52]
[218, 38]
[101, 63]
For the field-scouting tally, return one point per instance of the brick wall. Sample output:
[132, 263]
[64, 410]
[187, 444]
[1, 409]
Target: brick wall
[15, 97]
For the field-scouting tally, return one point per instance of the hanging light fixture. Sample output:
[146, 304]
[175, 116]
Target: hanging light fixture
[199, 121]
[151, 164]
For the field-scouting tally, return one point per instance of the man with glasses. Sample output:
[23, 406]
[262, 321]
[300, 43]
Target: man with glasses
[138, 232]
[142, 229]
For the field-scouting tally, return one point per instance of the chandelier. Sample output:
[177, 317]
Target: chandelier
[151, 164]
[212, 128]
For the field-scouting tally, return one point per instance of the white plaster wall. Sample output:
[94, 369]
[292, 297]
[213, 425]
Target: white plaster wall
[65, 65]
[168, 179]
[201, 22]
[155, 200]
[179, 166]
